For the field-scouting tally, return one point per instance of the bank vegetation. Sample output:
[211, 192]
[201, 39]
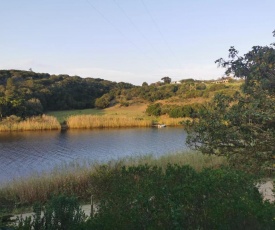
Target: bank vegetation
[14, 123]
[75, 178]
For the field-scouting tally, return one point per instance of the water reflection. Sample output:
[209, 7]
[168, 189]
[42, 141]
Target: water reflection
[23, 153]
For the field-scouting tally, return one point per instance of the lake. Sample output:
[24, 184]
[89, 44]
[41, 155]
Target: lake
[26, 153]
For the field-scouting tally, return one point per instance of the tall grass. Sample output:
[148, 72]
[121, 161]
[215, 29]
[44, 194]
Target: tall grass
[196, 160]
[106, 121]
[171, 121]
[43, 122]
[75, 179]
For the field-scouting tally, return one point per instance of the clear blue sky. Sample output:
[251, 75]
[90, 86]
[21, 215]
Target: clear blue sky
[130, 40]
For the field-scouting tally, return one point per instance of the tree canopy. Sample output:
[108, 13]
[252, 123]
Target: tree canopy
[26, 93]
[166, 80]
[242, 127]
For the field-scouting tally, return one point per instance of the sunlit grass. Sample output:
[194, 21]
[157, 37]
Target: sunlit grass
[43, 122]
[94, 121]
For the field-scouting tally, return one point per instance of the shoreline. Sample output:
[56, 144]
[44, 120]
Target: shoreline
[117, 123]
[66, 128]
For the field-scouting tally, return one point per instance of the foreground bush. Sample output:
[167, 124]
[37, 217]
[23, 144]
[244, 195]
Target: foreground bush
[145, 197]
[61, 213]
[74, 179]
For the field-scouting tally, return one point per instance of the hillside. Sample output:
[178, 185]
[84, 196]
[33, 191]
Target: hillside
[26, 93]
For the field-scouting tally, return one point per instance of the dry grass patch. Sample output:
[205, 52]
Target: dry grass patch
[43, 122]
[106, 121]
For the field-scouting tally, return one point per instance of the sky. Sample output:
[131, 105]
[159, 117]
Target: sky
[133, 41]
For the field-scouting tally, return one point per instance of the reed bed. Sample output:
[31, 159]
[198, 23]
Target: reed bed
[196, 160]
[171, 121]
[76, 179]
[105, 121]
[43, 122]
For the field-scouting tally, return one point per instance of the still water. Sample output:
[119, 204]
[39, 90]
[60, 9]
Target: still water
[26, 153]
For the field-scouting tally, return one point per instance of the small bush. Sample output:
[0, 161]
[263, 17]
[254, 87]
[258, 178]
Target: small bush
[61, 213]
[216, 87]
[193, 94]
[154, 109]
[200, 86]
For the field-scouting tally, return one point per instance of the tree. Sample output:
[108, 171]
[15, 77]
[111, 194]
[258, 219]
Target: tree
[167, 80]
[144, 84]
[241, 127]
[103, 102]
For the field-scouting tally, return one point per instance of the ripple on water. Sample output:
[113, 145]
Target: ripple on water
[25, 153]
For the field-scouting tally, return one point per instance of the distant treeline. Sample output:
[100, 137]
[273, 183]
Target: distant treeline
[26, 93]
[154, 92]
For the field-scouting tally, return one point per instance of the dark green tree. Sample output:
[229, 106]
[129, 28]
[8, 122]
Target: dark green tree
[144, 84]
[103, 102]
[166, 80]
[242, 127]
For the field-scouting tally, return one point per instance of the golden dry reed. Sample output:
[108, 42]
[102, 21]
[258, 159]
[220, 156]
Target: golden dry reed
[171, 121]
[43, 122]
[94, 121]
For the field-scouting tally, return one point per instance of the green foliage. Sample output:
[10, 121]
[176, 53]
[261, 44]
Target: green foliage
[34, 107]
[144, 84]
[146, 197]
[124, 103]
[185, 111]
[257, 67]
[166, 80]
[200, 86]
[188, 89]
[6, 207]
[26, 93]
[151, 197]
[216, 87]
[61, 213]
[193, 94]
[103, 102]
[174, 111]
[154, 109]
[242, 127]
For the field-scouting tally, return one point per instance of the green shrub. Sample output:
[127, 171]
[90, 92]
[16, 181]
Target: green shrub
[146, 197]
[190, 110]
[149, 197]
[103, 102]
[154, 109]
[216, 87]
[200, 86]
[193, 94]
[61, 213]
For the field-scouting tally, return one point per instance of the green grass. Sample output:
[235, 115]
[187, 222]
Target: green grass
[63, 115]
